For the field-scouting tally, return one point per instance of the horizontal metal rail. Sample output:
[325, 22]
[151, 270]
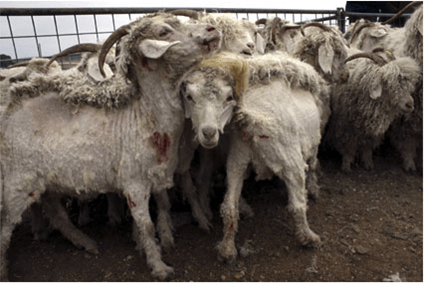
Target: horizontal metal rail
[89, 11]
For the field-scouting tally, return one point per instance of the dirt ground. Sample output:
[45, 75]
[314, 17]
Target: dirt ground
[371, 225]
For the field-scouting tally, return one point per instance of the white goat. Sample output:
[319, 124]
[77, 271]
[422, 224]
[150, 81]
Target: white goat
[277, 128]
[319, 45]
[59, 143]
[238, 37]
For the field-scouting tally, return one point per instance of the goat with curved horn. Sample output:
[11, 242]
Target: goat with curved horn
[315, 24]
[275, 23]
[400, 13]
[261, 22]
[388, 53]
[376, 58]
[186, 12]
[19, 64]
[110, 41]
[84, 47]
[356, 32]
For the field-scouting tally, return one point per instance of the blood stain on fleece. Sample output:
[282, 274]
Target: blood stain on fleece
[161, 143]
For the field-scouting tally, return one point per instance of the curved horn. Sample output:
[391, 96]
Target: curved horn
[275, 22]
[285, 27]
[356, 32]
[187, 13]
[107, 45]
[401, 12]
[260, 22]
[388, 53]
[19, 64]
[315, 24]
[377, 59]
[85, 47]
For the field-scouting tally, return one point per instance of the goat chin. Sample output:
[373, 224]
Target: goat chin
[208, 144]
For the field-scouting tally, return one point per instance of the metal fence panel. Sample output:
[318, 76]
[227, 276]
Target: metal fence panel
[41, 32]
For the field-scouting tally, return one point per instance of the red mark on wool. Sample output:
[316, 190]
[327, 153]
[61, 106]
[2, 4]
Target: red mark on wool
[145, 64]
[243, 134]
[131, 204]
[161, 143]
[231, 226]
[263, 137]
[31, 194]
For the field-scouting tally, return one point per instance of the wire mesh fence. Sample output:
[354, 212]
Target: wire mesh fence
[28, 33]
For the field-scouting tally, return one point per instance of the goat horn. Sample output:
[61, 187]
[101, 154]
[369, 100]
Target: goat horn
[109, 42]
[85, 47]
[260, 22]
[401, 12]
[275, 22]
[377, 59]
[315, 24]
[388, 53]
[356, 32]
[186, 12]
[19, 64]
[285, 27]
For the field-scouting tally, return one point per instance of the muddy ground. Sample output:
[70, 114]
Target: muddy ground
[370, 223]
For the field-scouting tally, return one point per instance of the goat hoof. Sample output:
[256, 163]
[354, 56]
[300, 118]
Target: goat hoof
[311, 240]
[226, 253]
[163, 273]
[93, 251]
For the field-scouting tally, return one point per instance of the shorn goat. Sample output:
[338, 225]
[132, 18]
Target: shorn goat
[277, 128]
[120, 135]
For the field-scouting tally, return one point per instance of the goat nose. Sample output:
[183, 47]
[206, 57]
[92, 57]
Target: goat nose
[209, 132]
[409, 105]
[251, 45]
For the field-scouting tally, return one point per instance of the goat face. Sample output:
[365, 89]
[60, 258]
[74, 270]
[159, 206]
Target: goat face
[163, 37]
[209, 102]
[171, 32]
[243, 44]
[247, 42]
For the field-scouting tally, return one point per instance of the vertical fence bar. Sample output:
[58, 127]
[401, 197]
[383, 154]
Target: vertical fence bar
[76, 28]
[113, 22]
[95, 27]
[341, 19]
[36, 37]
[13, 39]
[58, 39]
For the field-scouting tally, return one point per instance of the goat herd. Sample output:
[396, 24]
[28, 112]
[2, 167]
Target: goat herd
[134, 111]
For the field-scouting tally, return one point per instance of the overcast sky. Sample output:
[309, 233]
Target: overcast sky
[49, 45]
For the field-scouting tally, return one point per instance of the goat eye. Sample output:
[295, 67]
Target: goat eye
[163, 33]
[230, 98]
[189, 98]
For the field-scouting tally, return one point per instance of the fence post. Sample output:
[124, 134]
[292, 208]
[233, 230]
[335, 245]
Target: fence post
[341, 20]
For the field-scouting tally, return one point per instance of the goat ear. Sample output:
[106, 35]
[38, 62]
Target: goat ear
[260, 43]
[325, 58]
[154, 49]
[226, 116]
[93, 70]
[376, 90]
[186, 106]
[420, 29]
[380, 32]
